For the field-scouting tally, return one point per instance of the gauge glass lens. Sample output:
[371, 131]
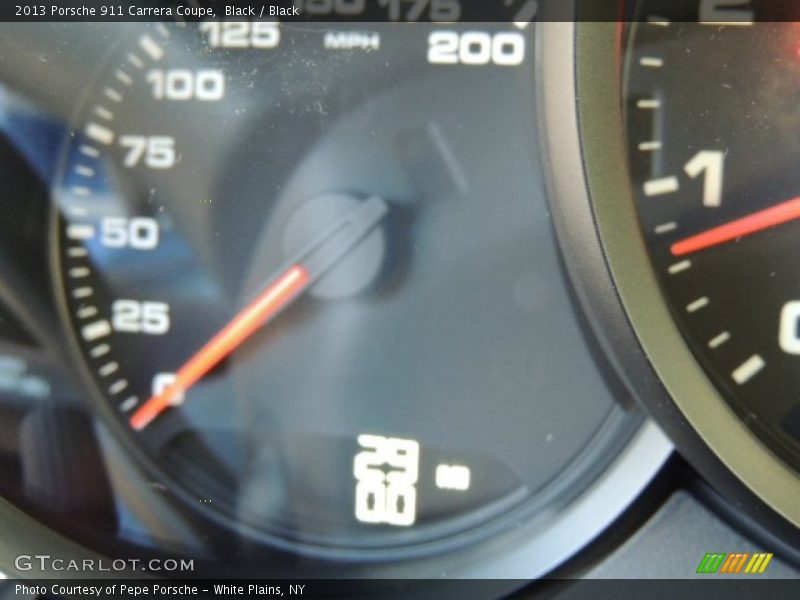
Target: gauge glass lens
[311, 274]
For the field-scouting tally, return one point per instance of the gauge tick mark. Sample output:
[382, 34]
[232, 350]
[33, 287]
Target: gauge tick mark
[648, 104]
[665, 228]
[128, 404]
[80, 232]
[108, 369]
[123, 77]
[89, 151]
[748, 369]
[151, 48]
[112, 94]
[117, 387]
[100, 350]
[718, 340]
[658, 21]
[99, 133]
[96, 330]
[84, 171]
[87, 312]
[104, 113]
[651, 62]
[650, 146]
[659, 187]
[697, 304]
[77, 252]
[135, 61]
[680, 267]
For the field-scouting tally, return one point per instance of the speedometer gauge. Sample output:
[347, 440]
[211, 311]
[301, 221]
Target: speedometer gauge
[309, 273]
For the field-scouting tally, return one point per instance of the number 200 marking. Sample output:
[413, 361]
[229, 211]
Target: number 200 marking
[505, 49]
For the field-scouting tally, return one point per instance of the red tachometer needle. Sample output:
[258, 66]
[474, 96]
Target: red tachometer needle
[758, 221]
[266, 305]
[314, 261]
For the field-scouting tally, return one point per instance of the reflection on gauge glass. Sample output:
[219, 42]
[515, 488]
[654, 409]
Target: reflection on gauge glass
[712, 124]
[311, 274]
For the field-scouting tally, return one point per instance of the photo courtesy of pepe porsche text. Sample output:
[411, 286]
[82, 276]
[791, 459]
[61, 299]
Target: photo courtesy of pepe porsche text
[86, 589]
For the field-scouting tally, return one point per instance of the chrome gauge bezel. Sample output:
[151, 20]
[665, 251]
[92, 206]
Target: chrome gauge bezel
[665, 370]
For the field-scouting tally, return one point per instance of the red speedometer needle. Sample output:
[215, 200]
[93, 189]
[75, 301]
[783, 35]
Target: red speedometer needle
[268, 304]
[309, 265]
[758, 221]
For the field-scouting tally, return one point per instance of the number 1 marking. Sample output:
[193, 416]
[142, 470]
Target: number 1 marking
[712, 162]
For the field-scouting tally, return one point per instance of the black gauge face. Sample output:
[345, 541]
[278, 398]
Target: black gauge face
[311, 273]
[712, 123]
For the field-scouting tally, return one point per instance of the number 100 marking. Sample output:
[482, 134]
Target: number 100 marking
[182, 84]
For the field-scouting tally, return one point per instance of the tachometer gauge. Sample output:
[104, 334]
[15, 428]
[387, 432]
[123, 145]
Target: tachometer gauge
[711, 128]
[712, 121]
[310, 272]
